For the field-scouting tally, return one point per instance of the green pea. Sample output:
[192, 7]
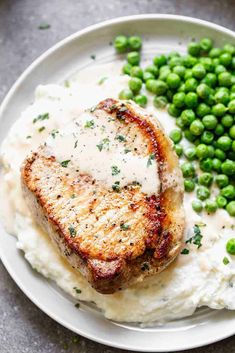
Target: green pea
[210, 122]
[227, 120]
[189, 185]
[121, 44]
[215, 52]
[210, 206]
[190, 153]
[175, 61]
[189, 136]
[216, 164]
[194, 48]
[230, 246]
[187, 117]
[222, 96]
[232, 132]
[231, 107]
[136, 71]
[199, 71]
[153, 69]
[173, 110]
[127, 69]
[148, 76]
[205, 179]
[221, 201]
[206, 164]
[181, 88]
[196, 127]
[233, 146]
[133, 58]
[160, 102]
[126, 94]
[221, 180]
[141, 100]
[202, 151]
[207, 63]
[169, 95]
[230, 208]
[210, 79]
[206, 44]
[178, 150]
[220, 154]
[211, 151]
[219, 130]
[224, 143]
[188, 74]
[164, 72]
[219, 109]
[229, 48]
[189, 61]
[232, 96]
[173, 80]
[188, 170]
[179, 70]
[207, 137]
[203, 193]
[225, 79]
[178, 99]
[135, 84]
[197, 206]
[228, 167]
[203, 91]
[191, 100]
[228, 192]
[160, 60]
[179, 123]
[135, 42]
[219, 69]
[191, 85]
[176, 135]
[203, 109]
[225, 59]
[156, 86]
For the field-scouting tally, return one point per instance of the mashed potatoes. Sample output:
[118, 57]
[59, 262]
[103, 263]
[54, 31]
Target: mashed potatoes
[194, 279]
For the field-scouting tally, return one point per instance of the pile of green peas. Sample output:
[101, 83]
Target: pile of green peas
[198, 90]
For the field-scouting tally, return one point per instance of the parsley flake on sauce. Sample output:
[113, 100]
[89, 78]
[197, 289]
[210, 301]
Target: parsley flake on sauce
[41, 129]
[115, 170]
[150, 159]
[76, 144]
[65, 163]
[104, 143]
[72, 231]
[41, 117]
[77, 305]
[121, 138]
[44, 25]
[197, 238]
[53, 133]
[101, 81]
[93, 56]
[116, 186]
[124, 226]
[77, 290]
[185, 251]
[90, 124]
[225, 260]
[126, 150]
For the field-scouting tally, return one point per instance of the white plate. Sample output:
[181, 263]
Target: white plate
[161, 33]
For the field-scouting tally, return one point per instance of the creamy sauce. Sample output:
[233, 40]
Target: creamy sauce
[193, 280]
[93, 144]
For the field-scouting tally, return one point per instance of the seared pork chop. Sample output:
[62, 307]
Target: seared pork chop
[108, 191]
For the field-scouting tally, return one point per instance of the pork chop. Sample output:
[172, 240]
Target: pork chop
[108, 191]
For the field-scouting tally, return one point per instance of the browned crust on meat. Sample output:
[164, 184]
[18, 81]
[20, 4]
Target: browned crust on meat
[111, 270]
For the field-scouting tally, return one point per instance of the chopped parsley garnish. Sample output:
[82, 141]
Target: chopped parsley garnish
[185, 251]
[76, 144]
[41, 129]
[77, 290]
[44, 25]
[29, 137]
[101, 81]
[115, 170]
[65, 163]
[116, 186]
[150, 159]
[41, 117]
[93, 109]
[73, 196]
[197, 238]
[121, 138]
[126, 150]
[104, 143]
[124, 226]
[53, 133]
[225, 260]
[93, 56]
[77, 305]
[72, 231]
[90, 124]
[145, 266]
[66, 84]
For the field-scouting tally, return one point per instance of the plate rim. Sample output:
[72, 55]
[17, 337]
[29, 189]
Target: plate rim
[6, 100]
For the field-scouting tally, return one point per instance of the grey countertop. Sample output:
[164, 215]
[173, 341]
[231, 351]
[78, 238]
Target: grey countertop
[23, 327]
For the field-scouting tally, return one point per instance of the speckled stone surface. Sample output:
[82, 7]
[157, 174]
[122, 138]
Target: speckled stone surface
[23, 327]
